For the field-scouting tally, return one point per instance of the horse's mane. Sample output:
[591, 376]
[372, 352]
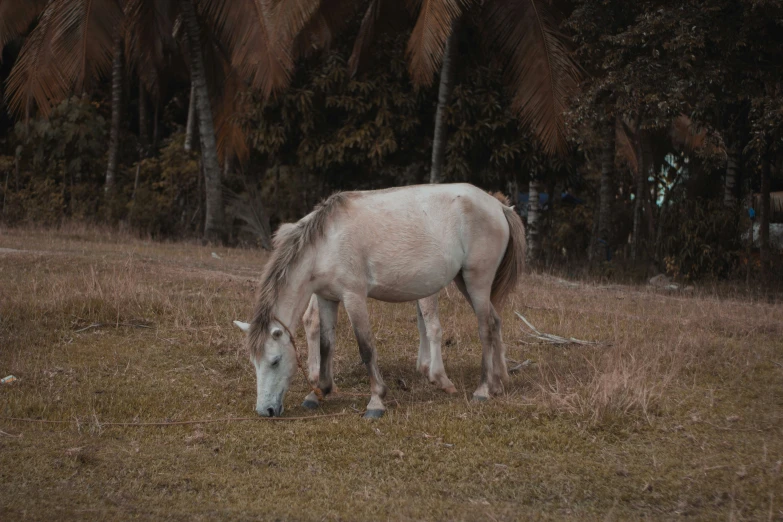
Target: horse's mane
[289, 243]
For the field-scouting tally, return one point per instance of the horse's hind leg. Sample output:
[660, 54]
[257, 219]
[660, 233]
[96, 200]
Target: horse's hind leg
[327, 314]
[356, 307]
[493, 363]
[423, 361]
[427, 311]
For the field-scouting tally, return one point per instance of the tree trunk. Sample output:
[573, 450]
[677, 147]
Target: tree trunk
[637, 214]
[645, 157]
[550, 222]
[729, 197]
[5, 189]
[116, 107]
[603, 245]
[200, 196]
[18, 164]
[214, 227]
[764, 215]
[592, 245]
[447, 71]
[143, 133]
[132, 212]
[513, 192]
[228, 165]
[155, 124]
[190, 128]
[533, 215]
[749, 244]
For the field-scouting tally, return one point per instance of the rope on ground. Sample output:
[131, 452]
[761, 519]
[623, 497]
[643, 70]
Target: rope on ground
[178, 423]
[102, 325]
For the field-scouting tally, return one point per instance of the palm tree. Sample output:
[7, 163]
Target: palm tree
[606, 191]
[540, 71]
[116, 109]
[533, 212]
[74, 42]
[214, 228]
[447, 71]
[190, 126]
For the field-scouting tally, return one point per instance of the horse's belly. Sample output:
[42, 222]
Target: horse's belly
[412, 282]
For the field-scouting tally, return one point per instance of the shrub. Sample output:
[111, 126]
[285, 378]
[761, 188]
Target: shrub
[701, 239]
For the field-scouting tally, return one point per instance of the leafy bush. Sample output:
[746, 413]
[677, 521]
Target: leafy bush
[167, 201]
[701, 239]
[570, 235]
[63, 162]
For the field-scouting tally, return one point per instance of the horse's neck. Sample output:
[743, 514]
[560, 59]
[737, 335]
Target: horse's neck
[294, 296]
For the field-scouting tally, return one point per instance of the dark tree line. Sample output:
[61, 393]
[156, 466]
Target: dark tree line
[193, 119]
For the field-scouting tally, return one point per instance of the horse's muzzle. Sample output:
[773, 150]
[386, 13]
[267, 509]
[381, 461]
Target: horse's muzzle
[270, 411]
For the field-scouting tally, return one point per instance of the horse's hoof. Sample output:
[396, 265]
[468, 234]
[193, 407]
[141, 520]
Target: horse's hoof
[479, 398]
[374, 414]
[310, 405]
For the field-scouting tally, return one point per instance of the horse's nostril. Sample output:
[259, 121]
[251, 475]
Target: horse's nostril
[271, 412]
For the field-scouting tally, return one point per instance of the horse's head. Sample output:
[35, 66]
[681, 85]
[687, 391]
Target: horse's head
[274, 357]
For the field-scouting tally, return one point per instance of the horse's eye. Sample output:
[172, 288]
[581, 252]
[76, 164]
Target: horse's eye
[275, 362]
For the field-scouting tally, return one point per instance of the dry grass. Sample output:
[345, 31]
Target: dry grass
[677, 412]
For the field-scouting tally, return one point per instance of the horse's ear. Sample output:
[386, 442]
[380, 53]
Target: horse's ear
[277, 333]
[245, 327]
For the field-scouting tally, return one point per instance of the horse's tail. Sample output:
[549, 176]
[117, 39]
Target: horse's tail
[513, 263]
[501, 197]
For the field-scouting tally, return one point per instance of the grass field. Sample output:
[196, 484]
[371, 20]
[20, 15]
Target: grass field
[678, 412]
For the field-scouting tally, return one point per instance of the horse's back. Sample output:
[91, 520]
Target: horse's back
[407, 243]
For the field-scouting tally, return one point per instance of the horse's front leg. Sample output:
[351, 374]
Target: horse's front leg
[429, 326]
[312, 326]
[327, 319]
[356, 307]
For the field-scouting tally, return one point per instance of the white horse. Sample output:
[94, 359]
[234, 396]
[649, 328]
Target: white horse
[429, 362]
[393, 245]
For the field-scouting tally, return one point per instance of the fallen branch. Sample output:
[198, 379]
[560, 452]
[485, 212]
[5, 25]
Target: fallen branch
[551, 338]
[519, 365]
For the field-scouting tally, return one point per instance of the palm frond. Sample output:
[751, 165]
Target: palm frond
[249, 208]
[541, 71]
[228, 106]
[16, 17]
[314, 36]
[290, 17]
[428, 39]
[150, 36]
[36, 78]
[257, 52]
[381, 17]
[85, 31]
[319, 32]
